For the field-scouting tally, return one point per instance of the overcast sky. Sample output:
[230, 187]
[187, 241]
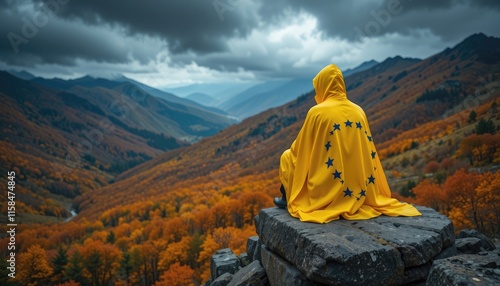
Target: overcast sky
[178, 42]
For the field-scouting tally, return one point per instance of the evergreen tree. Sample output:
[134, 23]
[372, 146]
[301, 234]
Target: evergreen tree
[126, 266]
[485, 126]
[111, 238]
[4, 272]
[494, 107]
[137, 260]
[195, 249]
[59, 262]
[406, 189]
[93, 264]
[472, 116]
[74, 269]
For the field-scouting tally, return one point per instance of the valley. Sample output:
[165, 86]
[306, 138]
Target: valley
[162, 185]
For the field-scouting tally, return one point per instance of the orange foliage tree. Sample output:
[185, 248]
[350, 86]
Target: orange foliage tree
[230, 237]
[469, 199]
[101, 260]
[177, 275]
[480, 149]
[34, 268]
[179, 230]
[464, 200]
[489, 207]
[430, 194]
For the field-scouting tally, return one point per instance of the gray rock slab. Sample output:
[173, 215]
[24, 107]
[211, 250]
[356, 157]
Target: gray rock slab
[253, 243]
[467, 269]
[366, 252]
[251, 275]
[244, 260]
[430, 220]
[447, 252]
[469, 245]
[281, 272]
[223, 261]
[417, 246]
[222, 280]
[486, 243]
[418, 275]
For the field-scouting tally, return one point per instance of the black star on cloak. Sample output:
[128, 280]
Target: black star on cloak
[329, 163]
[358, 125]
[371, 179]
[336, 174]
[348, 123]
[373, 154]
[347, 192]
[336, 126]
[370, 138]
[362, 193]
[328, 145]
[331, 132]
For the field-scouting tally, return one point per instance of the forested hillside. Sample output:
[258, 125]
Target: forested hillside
[64, 138]
[435, 123]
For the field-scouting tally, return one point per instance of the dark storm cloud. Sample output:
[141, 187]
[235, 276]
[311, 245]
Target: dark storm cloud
[451, 20]
[205, 31]
[376, 18]
[61, 31]
[34, 34]
[197, 25]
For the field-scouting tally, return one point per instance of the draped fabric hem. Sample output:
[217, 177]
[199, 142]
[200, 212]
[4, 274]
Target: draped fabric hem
[332, 169]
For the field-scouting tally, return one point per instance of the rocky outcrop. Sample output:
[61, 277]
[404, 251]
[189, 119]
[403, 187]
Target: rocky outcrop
[478, 263]
[468, 245]
[467, 269]
[222, 280]
[282, 272]
[224, 261]
[252, 274]
[470, 234]
[381, 251]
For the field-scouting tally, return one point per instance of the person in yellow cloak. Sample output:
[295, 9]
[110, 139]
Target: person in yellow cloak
[332, 169]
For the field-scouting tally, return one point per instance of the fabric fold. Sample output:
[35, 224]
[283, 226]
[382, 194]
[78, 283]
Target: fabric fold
[332, 169]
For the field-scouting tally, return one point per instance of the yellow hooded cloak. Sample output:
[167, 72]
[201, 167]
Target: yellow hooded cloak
[332, 168]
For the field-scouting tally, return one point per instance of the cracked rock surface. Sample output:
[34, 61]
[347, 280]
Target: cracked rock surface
[381, 251]
[468, 269]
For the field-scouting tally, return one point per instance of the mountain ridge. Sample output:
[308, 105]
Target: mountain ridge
[388, 92]
[170, 213]
[74, 131]
[267, 95]
[362, 67]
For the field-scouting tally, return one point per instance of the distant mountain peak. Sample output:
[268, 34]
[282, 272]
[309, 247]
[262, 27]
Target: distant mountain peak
[22, 74]
[475, 40]
[202, 98]
[394, 61]
[479, 35]
[362, 67]
[87, 77]
[480, 47]
[120, 77]
[398, 58]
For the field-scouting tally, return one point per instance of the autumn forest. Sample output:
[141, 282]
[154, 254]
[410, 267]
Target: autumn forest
[150, 209]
